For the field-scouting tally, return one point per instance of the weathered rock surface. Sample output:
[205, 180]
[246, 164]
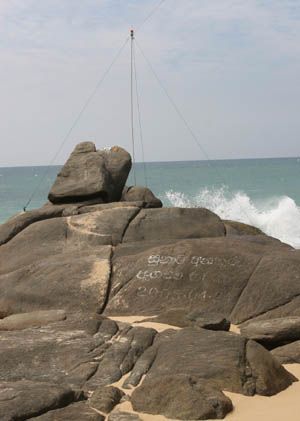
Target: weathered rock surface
[204, 274]
[174, 223]
[143, 194]
[65, 352]
[90, 174]
[20, 221]
[288, 354]
[104, 399]
[83, 352]
[67, 279]
[121, 356]
[33, 319]
[180, 397]
[235, 364]
[25, 399]
[65, 264]
[78, 411]
[274, 332]
[275, 283]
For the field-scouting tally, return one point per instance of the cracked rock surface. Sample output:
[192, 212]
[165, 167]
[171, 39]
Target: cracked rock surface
[70, 272]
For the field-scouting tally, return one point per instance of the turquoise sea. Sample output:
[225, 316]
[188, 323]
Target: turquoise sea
[262, 192]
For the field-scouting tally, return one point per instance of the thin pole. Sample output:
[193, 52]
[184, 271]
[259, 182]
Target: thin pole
[131, 101]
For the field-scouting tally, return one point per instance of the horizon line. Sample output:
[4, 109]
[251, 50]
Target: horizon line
[167, 162]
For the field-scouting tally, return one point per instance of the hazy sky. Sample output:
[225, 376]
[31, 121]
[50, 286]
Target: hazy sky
[232, 66]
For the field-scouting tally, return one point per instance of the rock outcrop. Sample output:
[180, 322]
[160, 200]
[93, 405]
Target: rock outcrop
[91, 174]
[71, 270]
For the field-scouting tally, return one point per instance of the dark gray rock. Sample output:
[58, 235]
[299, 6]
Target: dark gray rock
[19, 222]
[106, 226]
[70, 280]
[208, 275]
[268, 375]
[78, 411]
[274, 283]
[118, 164]
[180, 397]
[143, 194]
[104, 399]
[91, 174]
[68, 249]
[84, 176]
[225, 360]
[65, 352]
[121, 356]
[274, 332]
[174, 223]
[288, 354]
[25, 399]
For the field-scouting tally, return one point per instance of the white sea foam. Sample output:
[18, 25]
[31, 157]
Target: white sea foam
[278, 217]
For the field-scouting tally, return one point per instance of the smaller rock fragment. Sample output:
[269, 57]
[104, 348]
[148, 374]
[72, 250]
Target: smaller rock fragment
[273, 332]
[34, 319]
[104, 399]
[288, 354]
[143, 194]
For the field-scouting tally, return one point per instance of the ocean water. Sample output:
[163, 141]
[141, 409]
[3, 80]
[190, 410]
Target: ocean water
[261, 192]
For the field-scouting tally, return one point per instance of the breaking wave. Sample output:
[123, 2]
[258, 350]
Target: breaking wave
[278, 217]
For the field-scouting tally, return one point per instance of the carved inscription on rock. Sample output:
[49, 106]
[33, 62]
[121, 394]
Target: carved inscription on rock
[186, 278]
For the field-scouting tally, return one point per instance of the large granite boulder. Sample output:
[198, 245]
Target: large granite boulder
[91, 174]
[225, 360]
[207, 274]
[67, 265]
[68, 268]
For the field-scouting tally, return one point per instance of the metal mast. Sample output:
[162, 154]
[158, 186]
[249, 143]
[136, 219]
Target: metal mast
[131, 102]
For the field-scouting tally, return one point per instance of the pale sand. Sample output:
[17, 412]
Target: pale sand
[284, 406]
[138, 321]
